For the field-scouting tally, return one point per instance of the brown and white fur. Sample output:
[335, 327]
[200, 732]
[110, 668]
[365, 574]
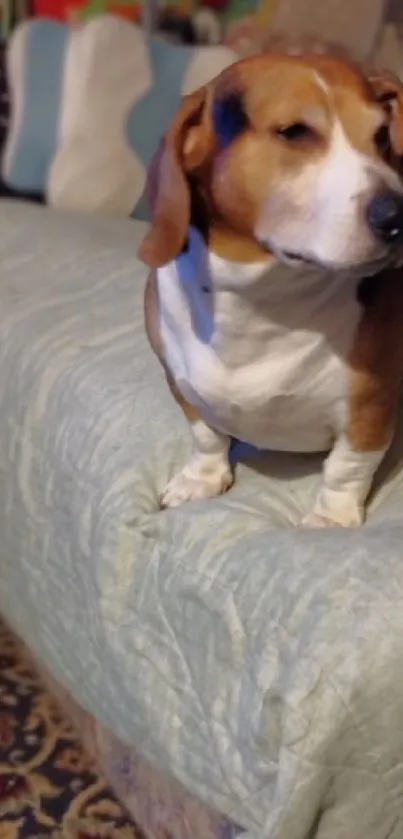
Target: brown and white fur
[259, 240]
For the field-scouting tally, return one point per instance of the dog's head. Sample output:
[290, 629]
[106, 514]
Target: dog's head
[299, 153]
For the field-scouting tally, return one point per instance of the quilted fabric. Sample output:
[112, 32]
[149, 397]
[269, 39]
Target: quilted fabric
[258, 663]
[90, 104]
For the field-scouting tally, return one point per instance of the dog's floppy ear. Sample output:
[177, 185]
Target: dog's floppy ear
[185, 146]
[388, 90]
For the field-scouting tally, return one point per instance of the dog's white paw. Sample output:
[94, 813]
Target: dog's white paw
[191, 485]
[349, 516]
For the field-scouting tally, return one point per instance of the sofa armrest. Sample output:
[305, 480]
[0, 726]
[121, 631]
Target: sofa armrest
[257, 663]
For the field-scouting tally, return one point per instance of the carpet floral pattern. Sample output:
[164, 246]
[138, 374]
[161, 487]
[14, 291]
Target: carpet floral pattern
[48, 788]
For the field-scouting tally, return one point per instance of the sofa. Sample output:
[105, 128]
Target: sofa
[233, 673]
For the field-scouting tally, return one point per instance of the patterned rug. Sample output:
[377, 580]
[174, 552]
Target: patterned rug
[48, 789]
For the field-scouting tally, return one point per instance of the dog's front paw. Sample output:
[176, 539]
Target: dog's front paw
[316, 520]
[345, 513]
[194, 485]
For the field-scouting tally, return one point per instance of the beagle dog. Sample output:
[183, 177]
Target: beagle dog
[275, 305]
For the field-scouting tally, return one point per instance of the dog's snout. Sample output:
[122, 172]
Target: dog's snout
[385, 217]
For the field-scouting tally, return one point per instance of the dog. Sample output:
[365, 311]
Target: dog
[275, 302]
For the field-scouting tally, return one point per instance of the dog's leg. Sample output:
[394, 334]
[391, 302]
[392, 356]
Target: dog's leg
[347, 480]
[208, 472]
[376, 365]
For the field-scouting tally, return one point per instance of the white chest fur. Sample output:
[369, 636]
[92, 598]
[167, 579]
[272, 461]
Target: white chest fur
[261, 350]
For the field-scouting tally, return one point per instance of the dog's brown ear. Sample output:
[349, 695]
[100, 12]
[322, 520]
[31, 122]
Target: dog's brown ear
[184, 147]
[388, 91]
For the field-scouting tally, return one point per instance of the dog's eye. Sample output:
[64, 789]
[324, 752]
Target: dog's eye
[386, 99]
[296, 132]
[382, 139]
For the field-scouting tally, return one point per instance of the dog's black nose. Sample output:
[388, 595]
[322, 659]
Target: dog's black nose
[385, 217]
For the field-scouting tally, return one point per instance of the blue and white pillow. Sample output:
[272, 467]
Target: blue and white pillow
[89, 105]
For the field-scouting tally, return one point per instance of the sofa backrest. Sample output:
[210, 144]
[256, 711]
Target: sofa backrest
[89, 105]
